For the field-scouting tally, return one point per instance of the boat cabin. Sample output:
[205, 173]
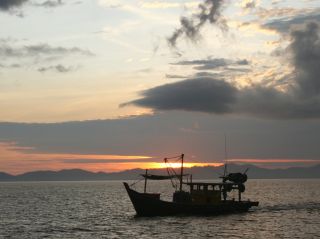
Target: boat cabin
[207, 193]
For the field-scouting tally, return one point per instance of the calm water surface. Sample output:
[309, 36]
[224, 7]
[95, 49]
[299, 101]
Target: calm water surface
[289, 209]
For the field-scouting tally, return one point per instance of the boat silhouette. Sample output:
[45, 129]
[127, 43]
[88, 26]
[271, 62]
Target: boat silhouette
[202, 198]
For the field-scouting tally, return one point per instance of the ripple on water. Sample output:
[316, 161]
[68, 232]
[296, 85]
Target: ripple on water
[289, 209]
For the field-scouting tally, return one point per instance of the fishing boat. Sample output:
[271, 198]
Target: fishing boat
[202, 198]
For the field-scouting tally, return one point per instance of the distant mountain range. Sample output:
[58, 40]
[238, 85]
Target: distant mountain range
[207, 172]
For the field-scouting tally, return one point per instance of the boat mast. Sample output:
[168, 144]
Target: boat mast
[145, 182]
[225, 155]
[181, 172]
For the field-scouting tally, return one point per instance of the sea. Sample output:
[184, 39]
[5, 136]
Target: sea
[288, 208]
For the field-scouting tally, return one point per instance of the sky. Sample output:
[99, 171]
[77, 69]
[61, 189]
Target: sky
[110, 85]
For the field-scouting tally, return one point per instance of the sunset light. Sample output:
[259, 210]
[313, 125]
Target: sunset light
[142, 118]
[111, 85]
[186, 165]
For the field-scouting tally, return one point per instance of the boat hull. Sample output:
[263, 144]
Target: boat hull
[151, 206]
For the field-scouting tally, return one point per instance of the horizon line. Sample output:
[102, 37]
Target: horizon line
[120, 171]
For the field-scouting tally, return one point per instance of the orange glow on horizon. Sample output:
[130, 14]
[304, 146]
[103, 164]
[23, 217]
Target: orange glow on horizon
[15, 159]
[121, 166]
[273, 160]
[185, 165]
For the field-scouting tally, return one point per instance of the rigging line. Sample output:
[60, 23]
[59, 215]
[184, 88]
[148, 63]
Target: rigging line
[171, 179]
[175, 178]
[174, 157]
[171, 171]
[174, 172]
[137, 181]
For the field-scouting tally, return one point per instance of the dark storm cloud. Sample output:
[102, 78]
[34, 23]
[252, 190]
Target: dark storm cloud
[199, 94]
[9, 51]
[300, 100]
[267, 102]
[208, 12]
[57, 68]
[6, 5]
[305, 48]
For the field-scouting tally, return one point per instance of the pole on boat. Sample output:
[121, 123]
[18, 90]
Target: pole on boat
[225, 155]
[181, 172]
[145, 182]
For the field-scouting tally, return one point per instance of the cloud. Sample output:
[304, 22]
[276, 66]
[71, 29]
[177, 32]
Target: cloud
[199, 94]
[285, 24]
[40, 50]
[18, 56]
[14, 65]
[305, 50]
[249, 4]
[57, 68]
[212, 63]
[198, 74]
[49, 3]
[7, 5]
[157, 136]
[300, 98]
[166, 4]
[175, 76]
[208, 12]
[45, 49]
[282, 12]
[11, 5]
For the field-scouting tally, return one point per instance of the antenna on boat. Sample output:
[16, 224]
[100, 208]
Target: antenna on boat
[145, 182]
[225, 155]
[181, 172]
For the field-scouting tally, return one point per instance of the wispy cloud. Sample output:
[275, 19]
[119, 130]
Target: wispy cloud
[57, 68]
[167, 4]
[18, 56]
[208, 12]
[49, 3]
[44, 49]
[212, 63]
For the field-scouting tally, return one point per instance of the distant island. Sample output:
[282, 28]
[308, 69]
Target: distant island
[207, 172]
